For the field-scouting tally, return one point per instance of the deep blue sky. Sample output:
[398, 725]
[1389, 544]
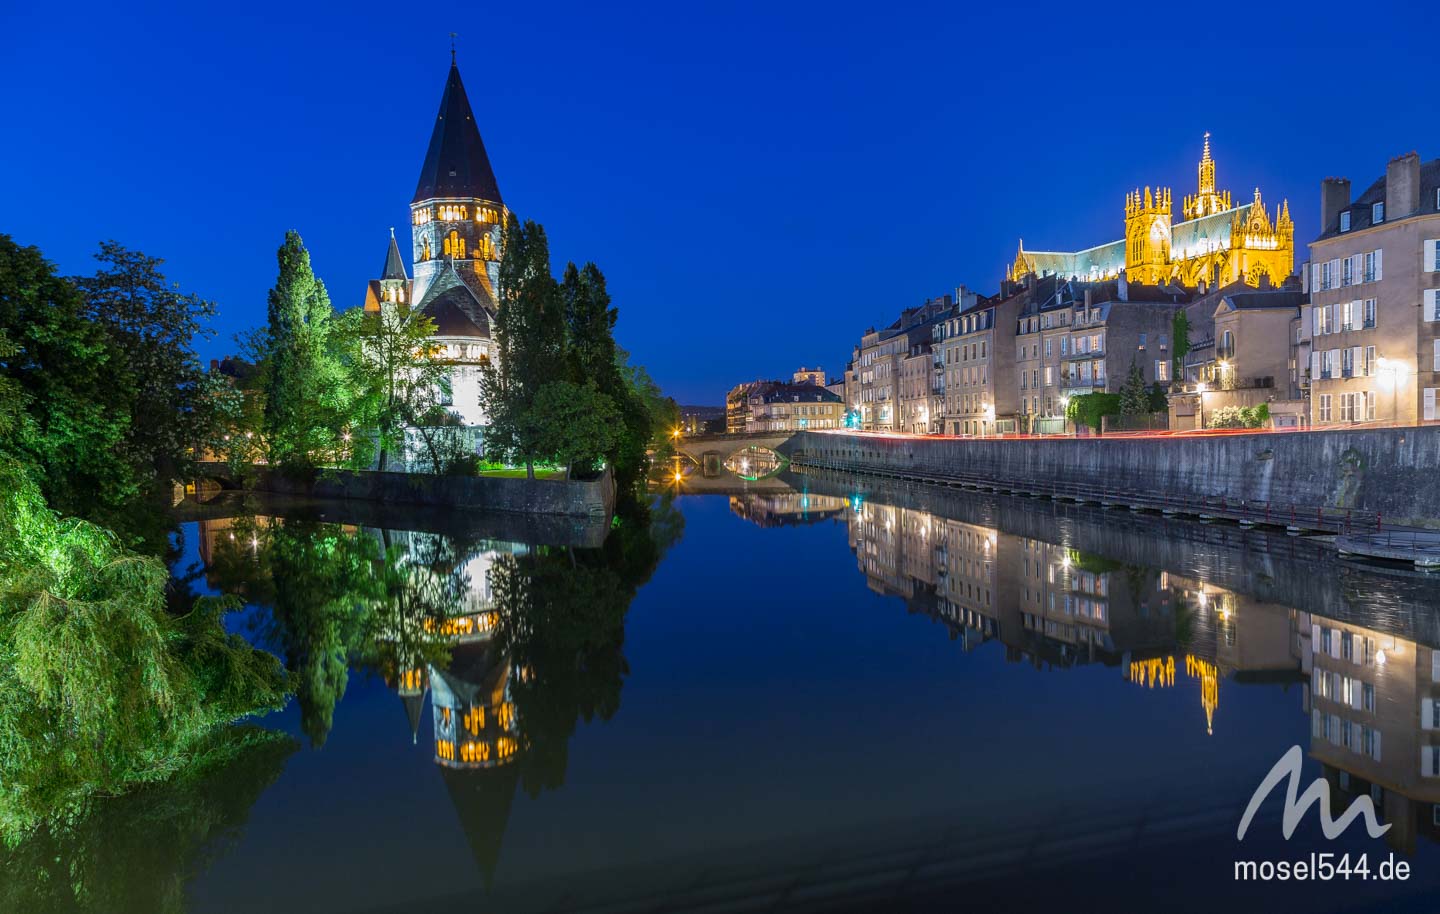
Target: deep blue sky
[759, 182]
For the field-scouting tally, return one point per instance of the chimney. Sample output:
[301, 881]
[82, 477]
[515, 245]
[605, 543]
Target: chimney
[1122, 288]
[1334, 196]
[1089, 298]
[1402, 186]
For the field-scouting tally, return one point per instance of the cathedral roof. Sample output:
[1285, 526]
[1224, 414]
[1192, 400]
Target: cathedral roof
[394, 266]
[456, 164]
[454, 306]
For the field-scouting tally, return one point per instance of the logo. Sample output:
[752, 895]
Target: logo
[1288, 769]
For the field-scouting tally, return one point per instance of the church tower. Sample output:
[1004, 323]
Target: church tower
[457, 215]
[1147, 235]
[1206, 201]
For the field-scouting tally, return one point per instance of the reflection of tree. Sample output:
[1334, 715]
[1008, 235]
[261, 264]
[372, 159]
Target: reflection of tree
[562, 622]
[135, 853]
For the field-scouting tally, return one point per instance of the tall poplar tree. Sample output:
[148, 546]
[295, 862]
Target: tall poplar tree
[304, 395]
[529, 342]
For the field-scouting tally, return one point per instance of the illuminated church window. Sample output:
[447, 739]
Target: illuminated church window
[487, 247]
[454, 245]
[487, 214]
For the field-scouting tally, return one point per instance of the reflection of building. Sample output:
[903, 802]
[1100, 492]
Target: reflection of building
[786, 509]
[1215, 244]
[1374, 703]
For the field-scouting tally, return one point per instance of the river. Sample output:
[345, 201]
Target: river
[836, 694]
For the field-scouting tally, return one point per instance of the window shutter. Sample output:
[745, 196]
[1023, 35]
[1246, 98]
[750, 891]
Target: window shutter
[1436, 364]
[1379, 271]
[1435, 666]
[1315, 372]
[1429, 403]
[1432, 305]
[1427, 714]
[1315, 324]
[1431, 262]
[1315, 279]
[1357, 360]
[1355, 690]
[1427, 761]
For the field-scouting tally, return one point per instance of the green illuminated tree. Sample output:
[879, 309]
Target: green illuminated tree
[1134, 396]
[395, 372]
[1180, 344]
[306, 399]
[102, 688]
[573, 424]
[529, 343]
[151, 368]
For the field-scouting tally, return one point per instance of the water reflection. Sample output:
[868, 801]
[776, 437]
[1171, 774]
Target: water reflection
[1059, 588]
[513, 643]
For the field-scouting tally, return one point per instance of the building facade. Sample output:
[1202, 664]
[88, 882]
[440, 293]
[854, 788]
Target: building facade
[1374, 313]
[793, 407]
[975, 360]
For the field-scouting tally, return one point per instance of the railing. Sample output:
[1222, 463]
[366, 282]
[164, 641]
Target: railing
[1312, 518]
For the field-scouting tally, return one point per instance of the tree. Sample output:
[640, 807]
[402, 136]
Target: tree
[1091, 409]
[102, 686]
[305, 397]
[529, 342]
[574, 424]
[151, 368]
[1134, 397]
[76, 426]
[1180, 343]
[395, 372]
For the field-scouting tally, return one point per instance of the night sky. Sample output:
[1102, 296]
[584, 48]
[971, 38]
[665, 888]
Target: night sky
[760, 183]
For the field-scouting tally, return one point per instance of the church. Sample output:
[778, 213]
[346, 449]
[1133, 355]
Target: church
[456, 218]
[1217, 243]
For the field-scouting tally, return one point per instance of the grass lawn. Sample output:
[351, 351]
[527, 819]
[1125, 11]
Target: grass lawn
[519, 473]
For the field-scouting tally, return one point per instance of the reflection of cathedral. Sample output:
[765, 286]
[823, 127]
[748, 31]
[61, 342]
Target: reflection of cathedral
[1217, 243]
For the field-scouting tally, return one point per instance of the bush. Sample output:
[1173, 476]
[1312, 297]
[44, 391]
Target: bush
[1239, 417]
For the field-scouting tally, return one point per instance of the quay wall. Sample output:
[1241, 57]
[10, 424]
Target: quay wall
[1392, 471]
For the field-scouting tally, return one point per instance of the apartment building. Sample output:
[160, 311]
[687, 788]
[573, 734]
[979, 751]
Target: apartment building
[974, 360]
[1116, 325]
[1374, 312]
[793, 407]
[877, 363]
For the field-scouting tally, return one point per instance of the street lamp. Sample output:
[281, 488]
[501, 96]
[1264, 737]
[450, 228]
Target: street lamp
[1200, 389]
[1064, 413]
[989, 415]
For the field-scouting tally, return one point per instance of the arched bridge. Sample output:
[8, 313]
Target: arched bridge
[717, 463]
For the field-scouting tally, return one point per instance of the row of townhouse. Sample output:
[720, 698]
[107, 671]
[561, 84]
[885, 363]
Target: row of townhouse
[1354, 337]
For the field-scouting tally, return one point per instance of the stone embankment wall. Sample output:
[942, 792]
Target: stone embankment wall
[1390, 471]
[585, 498]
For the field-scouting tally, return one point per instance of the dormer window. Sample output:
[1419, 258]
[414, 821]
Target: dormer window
[1377, 213]
[1345, 221]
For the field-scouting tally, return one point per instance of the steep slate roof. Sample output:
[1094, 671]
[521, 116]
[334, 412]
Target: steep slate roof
[394, 266]
[454, 307]
[1278, 298]
[799, 393]
[456, 164]
[1361, 213]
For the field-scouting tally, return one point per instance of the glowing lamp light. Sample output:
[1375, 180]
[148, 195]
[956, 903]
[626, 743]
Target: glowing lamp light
[1380, 657]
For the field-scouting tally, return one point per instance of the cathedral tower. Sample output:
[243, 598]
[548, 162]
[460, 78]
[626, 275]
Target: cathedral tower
[1147, 235]
[456, 215]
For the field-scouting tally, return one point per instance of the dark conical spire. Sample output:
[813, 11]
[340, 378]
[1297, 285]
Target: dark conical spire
[456, 164]
[394, 266]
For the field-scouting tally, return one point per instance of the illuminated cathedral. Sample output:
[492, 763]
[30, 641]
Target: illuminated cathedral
[456, 217]
[1216, 243]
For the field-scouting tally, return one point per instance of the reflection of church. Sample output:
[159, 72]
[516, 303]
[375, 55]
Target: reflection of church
[456, 220]
[1217, 243]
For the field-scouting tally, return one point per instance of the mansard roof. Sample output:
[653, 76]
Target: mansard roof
[394, 266]
[456, 164]
[1362, 215]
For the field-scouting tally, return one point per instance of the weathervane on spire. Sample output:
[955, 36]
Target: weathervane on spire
[454, 35]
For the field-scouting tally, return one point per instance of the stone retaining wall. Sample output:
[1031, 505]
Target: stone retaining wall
[1395, 472]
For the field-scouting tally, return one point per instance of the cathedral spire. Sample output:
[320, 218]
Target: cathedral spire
[456, 165]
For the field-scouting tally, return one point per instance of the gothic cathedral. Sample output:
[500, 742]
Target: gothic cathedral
[1216, 244]
[456, 217]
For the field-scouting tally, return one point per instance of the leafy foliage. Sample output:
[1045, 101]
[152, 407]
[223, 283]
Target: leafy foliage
[307, 400]
[151, 369]
[574, 424]
[152, 685]
[57, 366]
[1180, 343]
[1134, 396]
[1238, 416]
[1090, 410]
[394, 370]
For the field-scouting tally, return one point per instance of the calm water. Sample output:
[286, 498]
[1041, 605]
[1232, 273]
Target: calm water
[836, 696]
